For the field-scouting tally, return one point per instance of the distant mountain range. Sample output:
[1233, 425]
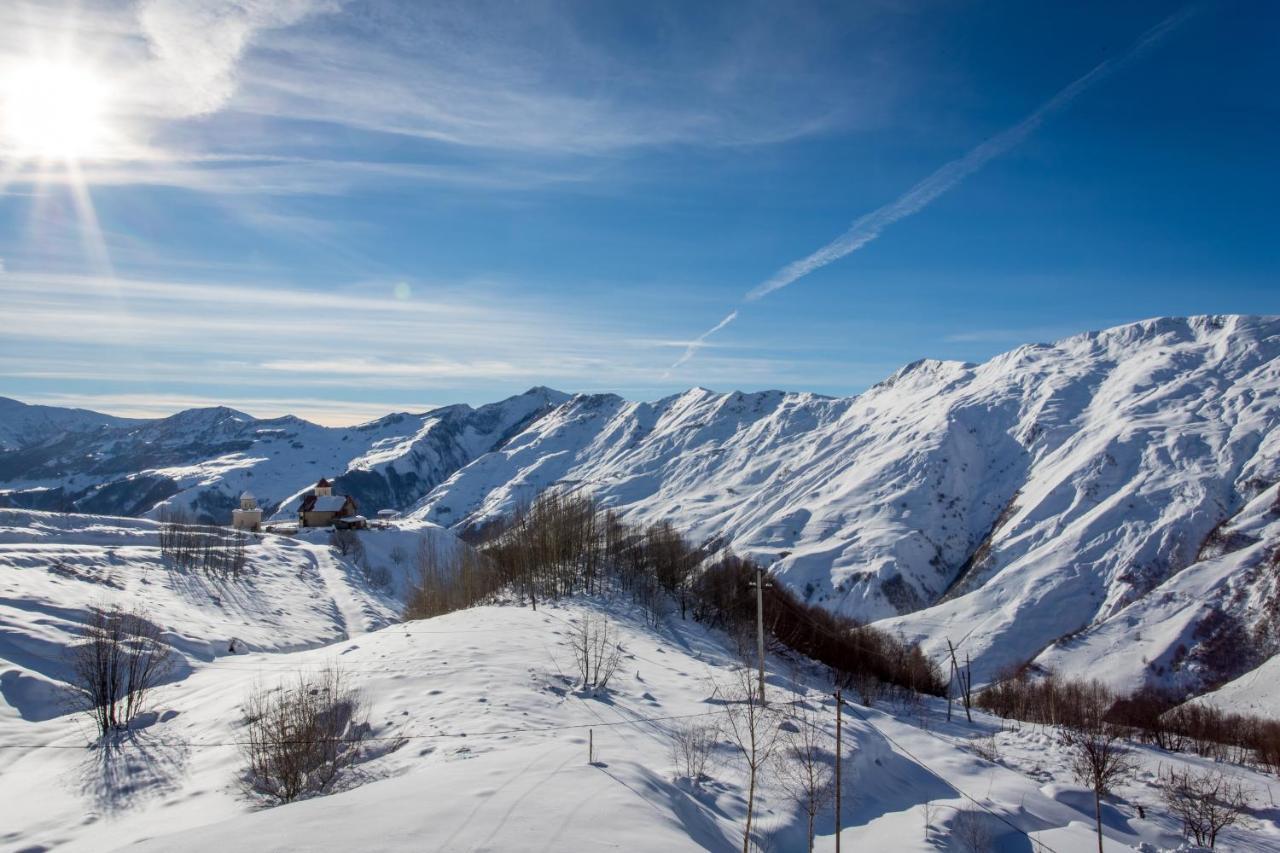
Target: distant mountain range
[1111, 498]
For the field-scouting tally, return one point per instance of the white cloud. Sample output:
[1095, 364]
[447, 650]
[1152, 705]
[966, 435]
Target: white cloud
[200, 44]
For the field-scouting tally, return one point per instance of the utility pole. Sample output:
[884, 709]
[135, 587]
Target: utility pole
[759, 585]
[839, 709]
[965, 677]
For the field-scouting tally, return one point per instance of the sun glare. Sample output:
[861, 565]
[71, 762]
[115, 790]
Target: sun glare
[52, 110]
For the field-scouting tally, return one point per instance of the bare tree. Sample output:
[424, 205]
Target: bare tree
[692, 747]
[346, 542]
[398, 556]
[1206, 802]
[596, 650]
[752, 728]
[1098, 758]
[299, 737]
[805, 763]
[120, 657]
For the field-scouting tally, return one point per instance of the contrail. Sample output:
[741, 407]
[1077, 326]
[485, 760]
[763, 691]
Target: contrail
[869, 226]
[701, 341]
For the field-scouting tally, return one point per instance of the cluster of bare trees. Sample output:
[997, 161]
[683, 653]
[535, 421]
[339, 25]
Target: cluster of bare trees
[557, 546]
[450, 578]
[563, 544]
[1147, 715]
[347, 543]
[1096, 725]
[298, 737]
[859, 655]
[118, 659]
[788, 742]
[215, 551]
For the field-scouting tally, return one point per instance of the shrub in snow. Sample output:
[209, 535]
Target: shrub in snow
[346, 542]
[119, 658]
[299, 737]
[596, 651]
[692, 747]
[971, 830]
[1206, 802]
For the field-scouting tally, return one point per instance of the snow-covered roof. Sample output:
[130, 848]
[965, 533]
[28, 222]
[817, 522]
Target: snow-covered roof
[246, 495]
[328, 503]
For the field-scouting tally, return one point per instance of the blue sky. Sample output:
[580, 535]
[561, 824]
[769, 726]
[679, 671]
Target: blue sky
[340, 209]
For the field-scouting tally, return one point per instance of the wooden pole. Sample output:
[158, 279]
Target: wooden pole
[591, 746]
[760, 627]
[839, 711]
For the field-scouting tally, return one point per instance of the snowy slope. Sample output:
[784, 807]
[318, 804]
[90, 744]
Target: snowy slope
[493, 757]
[1256, 692]
[200, 460]
[1014, 502]
[297, 594]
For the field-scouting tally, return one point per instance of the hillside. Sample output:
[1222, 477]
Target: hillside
[480, 733]
[295, 594]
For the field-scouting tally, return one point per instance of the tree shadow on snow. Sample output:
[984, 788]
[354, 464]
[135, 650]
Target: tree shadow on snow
[690, 809]
[125, 770]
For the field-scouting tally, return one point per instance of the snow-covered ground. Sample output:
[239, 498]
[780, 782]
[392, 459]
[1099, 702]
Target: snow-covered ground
[482, 737]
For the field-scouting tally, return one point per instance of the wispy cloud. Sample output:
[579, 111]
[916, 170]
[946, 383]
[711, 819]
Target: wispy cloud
[271, 342]
[198, 46]
[870, 226]
[492, 97]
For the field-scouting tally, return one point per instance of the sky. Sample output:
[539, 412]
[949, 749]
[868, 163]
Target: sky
[338, 209]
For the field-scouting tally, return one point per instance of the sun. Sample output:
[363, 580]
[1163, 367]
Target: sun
[53, 110]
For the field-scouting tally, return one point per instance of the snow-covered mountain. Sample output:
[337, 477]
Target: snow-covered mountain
[1083, 489]
[201, 459]
[23, 425]
[1116, 490]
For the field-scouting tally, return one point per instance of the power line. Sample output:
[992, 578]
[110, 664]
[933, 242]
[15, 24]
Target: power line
[437, 736]
[397, 738]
